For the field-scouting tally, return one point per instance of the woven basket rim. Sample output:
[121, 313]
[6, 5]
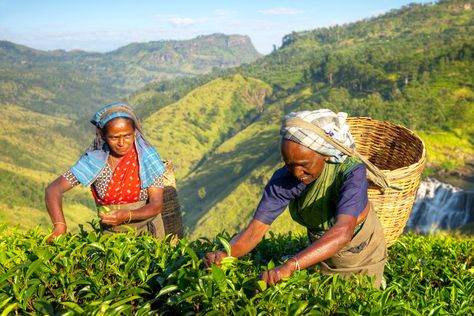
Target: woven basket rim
[414, 165]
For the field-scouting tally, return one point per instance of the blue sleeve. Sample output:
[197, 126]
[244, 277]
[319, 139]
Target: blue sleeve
[353, 196]
[279, 191]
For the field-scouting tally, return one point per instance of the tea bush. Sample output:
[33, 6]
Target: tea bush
[122, 274]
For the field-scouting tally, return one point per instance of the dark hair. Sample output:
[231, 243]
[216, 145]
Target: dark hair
[104, 129]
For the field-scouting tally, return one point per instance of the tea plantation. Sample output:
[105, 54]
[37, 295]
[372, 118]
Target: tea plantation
[94, 274]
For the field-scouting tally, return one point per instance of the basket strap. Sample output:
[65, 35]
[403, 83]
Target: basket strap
[374, 174]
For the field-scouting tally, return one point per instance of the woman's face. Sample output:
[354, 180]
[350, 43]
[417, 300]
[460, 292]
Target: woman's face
[304, 163]
[119, 134]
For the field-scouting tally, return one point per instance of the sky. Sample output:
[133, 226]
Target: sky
[105, 25]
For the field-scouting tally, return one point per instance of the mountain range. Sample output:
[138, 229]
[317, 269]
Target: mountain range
[75, 83]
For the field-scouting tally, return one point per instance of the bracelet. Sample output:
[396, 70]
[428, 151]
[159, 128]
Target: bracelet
[129, 216]
[63, 223]
[297, 264]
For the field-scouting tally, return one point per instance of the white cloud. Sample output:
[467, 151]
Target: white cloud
[281, 11]
[183, 21]
[221, 12]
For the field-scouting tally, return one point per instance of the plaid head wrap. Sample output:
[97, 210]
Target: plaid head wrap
[333, 125]
[94, 159]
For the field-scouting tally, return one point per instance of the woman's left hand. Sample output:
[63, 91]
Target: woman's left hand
[115, 218]
[214, 257]
[275, 275]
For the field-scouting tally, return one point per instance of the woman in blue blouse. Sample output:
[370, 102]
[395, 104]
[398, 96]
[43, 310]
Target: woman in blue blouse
[325, 191]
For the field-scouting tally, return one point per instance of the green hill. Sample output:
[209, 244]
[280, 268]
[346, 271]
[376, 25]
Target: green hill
[76, 83]
[157, 61]
[190, 129]
[35, 149]
[233, 177]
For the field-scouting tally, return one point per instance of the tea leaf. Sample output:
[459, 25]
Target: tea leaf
[167, 289]
[73, 306]
[226, 245]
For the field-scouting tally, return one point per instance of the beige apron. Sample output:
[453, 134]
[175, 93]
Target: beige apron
[366, 253]
[154, 225]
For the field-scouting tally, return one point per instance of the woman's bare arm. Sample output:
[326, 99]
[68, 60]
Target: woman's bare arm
[53, 198]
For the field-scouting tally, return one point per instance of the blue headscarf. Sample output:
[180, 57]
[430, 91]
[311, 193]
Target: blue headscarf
[91, 163]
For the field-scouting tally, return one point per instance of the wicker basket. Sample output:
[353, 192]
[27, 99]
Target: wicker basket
[400, 155]
[171, 212]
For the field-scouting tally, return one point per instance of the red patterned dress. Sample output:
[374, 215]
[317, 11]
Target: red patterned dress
[121, 185]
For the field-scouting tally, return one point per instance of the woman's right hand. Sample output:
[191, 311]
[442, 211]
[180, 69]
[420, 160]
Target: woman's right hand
[214, 257]
[241, 244]
[58, 231]
[116, 217]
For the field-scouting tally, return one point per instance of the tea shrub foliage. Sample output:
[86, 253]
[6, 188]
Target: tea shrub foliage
[124, 274]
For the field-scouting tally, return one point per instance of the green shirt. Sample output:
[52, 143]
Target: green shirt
[315, 207]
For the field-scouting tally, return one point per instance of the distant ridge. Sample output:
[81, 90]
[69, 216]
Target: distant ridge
[74, 83]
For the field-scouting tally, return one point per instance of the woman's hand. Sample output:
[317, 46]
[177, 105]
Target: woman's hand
[58, 231]
[275, 275]
[150, 209]
[214, 257]
[241, 244]
[114, 218]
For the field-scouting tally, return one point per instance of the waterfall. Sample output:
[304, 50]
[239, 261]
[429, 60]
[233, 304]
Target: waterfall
[440, 206]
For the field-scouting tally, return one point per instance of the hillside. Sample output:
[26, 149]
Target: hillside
[76, 83]
[233, 177]
[411, 66]
[35, 149]
[188, 130]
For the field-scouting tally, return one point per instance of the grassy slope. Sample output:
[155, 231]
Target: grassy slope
[41, 142]
[233, 178]
[188, 130]
[41, 146]
[450, 157]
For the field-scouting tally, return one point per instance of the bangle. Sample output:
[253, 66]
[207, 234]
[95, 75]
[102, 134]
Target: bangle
[63, 223]
[297, 264]
[129, 216]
